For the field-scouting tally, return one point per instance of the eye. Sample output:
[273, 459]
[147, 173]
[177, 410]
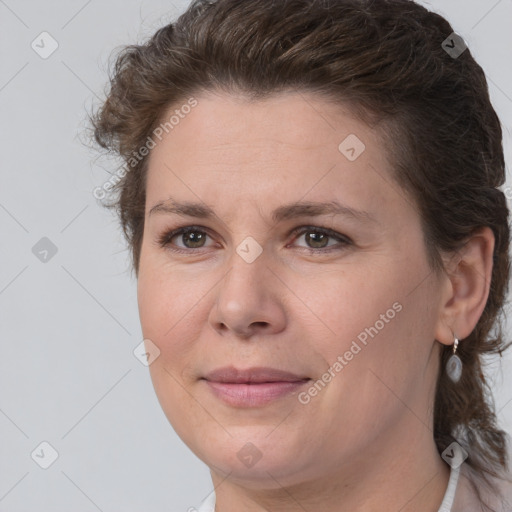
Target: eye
[318, 238]
[192, 237]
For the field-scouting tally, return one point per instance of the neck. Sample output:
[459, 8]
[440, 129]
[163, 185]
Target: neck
[396, 472]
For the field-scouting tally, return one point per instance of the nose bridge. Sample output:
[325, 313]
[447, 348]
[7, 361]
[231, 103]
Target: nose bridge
[245, 281]
[245, 300]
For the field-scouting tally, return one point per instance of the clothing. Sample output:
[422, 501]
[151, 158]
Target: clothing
[208, 504]
[451, 489]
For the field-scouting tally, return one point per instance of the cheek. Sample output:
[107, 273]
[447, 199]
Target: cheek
[173, 311]
[346, 304]
[162, 312]
[378, 318]
[384, 335]
[163, 315]
[167, 298]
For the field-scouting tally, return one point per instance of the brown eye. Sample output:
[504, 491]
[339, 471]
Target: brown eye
[316, 240]
[319, 238]
[183, 239]
[193, 239]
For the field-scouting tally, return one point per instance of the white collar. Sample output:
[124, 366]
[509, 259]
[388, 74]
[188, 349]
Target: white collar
[449, 495]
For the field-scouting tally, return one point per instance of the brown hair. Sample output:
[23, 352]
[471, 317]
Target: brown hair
[386, 60]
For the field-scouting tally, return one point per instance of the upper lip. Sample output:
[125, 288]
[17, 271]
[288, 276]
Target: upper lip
[256, 374]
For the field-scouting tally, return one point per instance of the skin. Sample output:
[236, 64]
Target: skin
[365, 441]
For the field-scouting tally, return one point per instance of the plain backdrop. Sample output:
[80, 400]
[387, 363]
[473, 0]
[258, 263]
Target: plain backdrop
[68, 311]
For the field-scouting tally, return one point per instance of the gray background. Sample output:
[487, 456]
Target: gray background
[69, 325]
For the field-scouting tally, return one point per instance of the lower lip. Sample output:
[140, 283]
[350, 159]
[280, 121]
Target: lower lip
[253, 395]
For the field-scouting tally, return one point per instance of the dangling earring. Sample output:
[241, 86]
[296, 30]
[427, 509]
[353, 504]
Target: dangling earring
[454, 364]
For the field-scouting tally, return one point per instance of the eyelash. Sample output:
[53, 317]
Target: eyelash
[165, 239]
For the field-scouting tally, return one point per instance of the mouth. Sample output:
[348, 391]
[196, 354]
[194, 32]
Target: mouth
[253, 387]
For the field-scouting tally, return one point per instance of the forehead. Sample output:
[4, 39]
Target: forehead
[302, 121]
[281, 149]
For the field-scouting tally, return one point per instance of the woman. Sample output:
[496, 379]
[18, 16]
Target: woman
[310, 194]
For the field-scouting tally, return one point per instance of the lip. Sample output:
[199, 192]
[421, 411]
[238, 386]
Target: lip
[257, 374]
[253, 387]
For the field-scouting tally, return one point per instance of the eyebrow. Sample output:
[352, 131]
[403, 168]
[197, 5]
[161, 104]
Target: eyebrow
[285, 212]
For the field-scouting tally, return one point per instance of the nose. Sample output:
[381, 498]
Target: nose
[249, 300]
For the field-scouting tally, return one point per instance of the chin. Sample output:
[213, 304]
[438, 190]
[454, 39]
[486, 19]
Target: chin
[265, 474]
[257, 463]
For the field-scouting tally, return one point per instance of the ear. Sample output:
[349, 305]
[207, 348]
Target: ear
[466, 287]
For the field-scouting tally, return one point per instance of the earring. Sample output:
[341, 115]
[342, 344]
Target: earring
[454, 364]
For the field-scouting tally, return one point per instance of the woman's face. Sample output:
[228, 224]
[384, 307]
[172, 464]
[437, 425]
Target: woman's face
[351, 313]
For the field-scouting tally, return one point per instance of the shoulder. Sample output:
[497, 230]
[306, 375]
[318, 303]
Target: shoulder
[505, 489]
[496, 497]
